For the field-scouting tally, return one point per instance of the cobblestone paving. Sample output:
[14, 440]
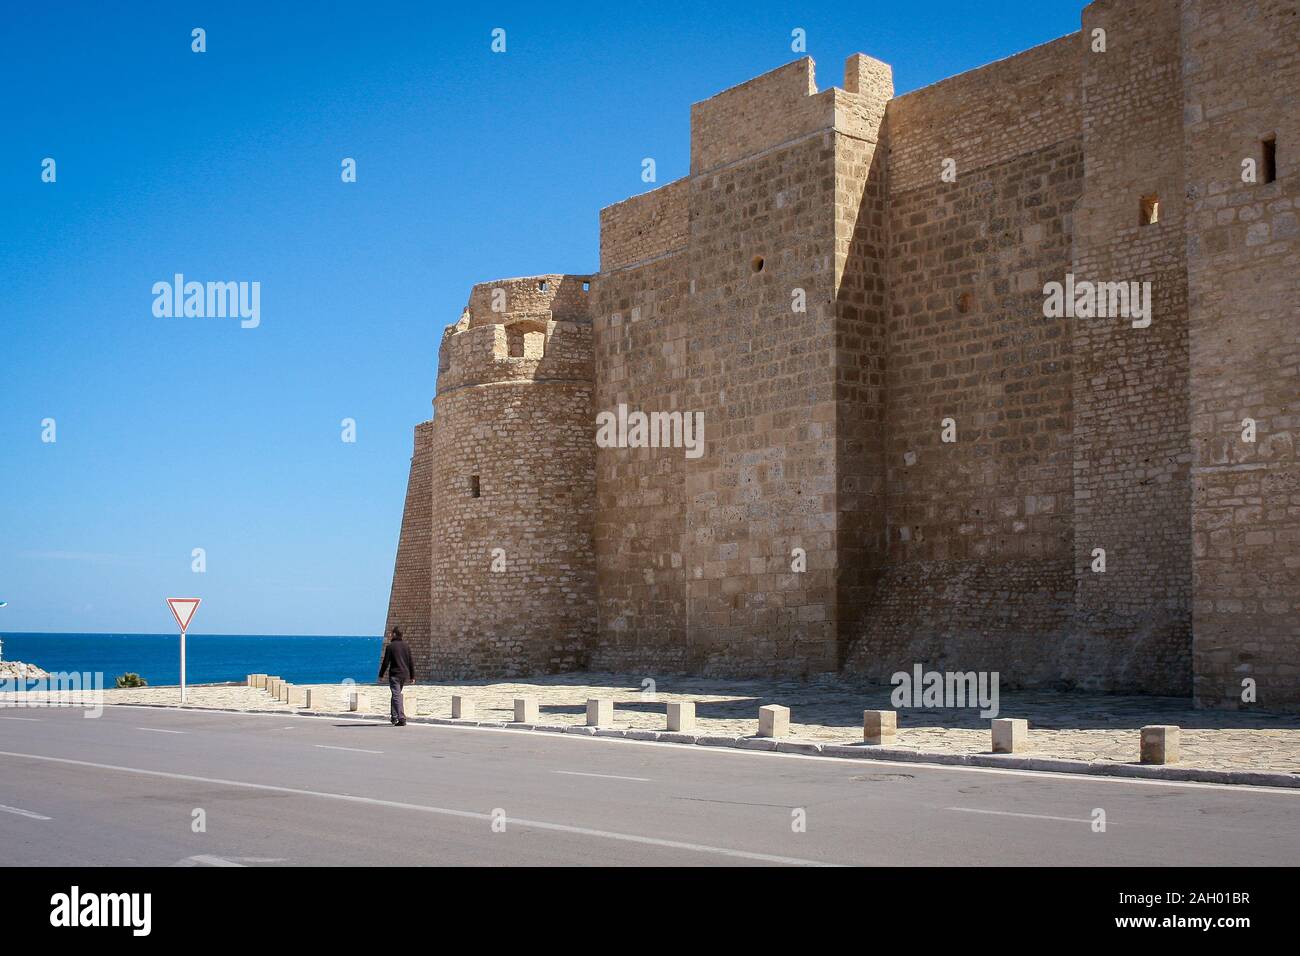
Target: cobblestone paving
[1062, 725]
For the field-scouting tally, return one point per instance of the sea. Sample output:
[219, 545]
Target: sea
[209, 658]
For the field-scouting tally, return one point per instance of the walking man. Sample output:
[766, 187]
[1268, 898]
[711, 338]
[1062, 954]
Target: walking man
[399, 666]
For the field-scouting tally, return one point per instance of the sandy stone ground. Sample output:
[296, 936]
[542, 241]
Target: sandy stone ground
[1062, 725]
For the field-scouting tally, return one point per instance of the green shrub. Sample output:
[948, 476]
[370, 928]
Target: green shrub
[132, 680]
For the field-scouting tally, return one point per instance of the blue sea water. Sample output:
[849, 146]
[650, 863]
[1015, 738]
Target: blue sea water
[209, 658]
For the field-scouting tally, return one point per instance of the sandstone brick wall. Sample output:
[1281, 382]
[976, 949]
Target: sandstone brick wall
[975, 534]
[764, 112]
[698, 551]
[764, 377]
[1241, 71]
[695, 557]
[993, 114]
[924, 301]
[860, 304]
[979, 536]
[644, 227]
[408, 602]
[1132, 446]
[513, 469]
[641, 333]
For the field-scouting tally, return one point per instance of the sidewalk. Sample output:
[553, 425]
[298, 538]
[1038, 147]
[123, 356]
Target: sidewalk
[1070, 726]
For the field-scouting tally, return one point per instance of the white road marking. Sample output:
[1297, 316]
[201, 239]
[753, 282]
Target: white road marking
[23, 813]
[605, 776]
[159, 730]
[204, 859]
[21, 718]
[355, 750]
[441, 811]
[1031, 816]
[843, 763]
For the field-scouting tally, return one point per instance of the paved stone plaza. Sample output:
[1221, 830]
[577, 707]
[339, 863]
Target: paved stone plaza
[1062, 725]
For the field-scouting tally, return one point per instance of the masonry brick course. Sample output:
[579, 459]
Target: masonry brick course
[827, 300]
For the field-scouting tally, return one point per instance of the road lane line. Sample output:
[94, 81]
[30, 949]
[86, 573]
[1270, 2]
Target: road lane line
[605, 776]
[355, 750]
[37, 719]
[440, 811]
[204, 859]
[1031, 816]
[23, 813]
[158, 730]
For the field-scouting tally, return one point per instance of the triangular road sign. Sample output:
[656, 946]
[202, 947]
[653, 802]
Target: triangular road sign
[183, 610]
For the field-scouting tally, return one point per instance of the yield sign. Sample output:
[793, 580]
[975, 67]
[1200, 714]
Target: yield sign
[183, 610]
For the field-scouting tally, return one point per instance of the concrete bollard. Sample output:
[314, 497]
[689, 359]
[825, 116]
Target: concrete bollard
[462, 708]
[250, 681]
[681, 716]
[879, 726]
[410, 703]
[356, 703]
[773, 721]
[270, 685]
[525, 710]
[1010, 735]
[257, 681]
[282, 692]
[600, 712]
[1160, 744]
[300, 697]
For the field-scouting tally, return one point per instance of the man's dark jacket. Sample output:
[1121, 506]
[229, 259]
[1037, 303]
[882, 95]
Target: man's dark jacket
[397, 658]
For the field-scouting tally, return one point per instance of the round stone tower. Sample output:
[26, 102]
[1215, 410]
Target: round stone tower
[513, 573]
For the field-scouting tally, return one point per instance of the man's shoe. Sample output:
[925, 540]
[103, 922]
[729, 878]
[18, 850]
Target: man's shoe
[401, 723]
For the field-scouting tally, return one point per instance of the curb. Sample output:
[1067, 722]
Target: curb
[1251, 778]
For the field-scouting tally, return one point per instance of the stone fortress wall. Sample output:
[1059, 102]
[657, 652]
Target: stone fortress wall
[827, 526]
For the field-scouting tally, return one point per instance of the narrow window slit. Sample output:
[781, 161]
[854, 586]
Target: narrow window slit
[1150, 210]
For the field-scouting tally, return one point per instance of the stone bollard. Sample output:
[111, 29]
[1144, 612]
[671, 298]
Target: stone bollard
[879, 726]
[462, 708]
[773, 721]
[251, 681]
[1010, 735]
[356, 703]
[257, 680]
[271, 685]
[681, 716]
[600, 712]
[1160, 744]
[410, 703]
[300, 697]
[525, 710]
[282, 692]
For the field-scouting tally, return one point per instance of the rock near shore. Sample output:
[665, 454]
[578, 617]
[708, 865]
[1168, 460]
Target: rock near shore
[17, 670]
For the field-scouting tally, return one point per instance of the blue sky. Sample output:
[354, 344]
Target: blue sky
[181, 433]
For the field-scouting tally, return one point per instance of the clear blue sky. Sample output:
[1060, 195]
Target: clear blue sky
[180, 433]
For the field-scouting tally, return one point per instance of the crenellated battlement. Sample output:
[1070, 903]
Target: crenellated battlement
[518, 330]
[564, 297]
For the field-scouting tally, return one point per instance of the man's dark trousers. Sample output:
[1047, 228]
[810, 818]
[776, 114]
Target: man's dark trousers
[396, 710]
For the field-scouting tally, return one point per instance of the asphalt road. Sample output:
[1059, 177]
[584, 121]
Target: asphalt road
[124, 789]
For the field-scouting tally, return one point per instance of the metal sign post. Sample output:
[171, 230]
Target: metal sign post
[183, 610]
